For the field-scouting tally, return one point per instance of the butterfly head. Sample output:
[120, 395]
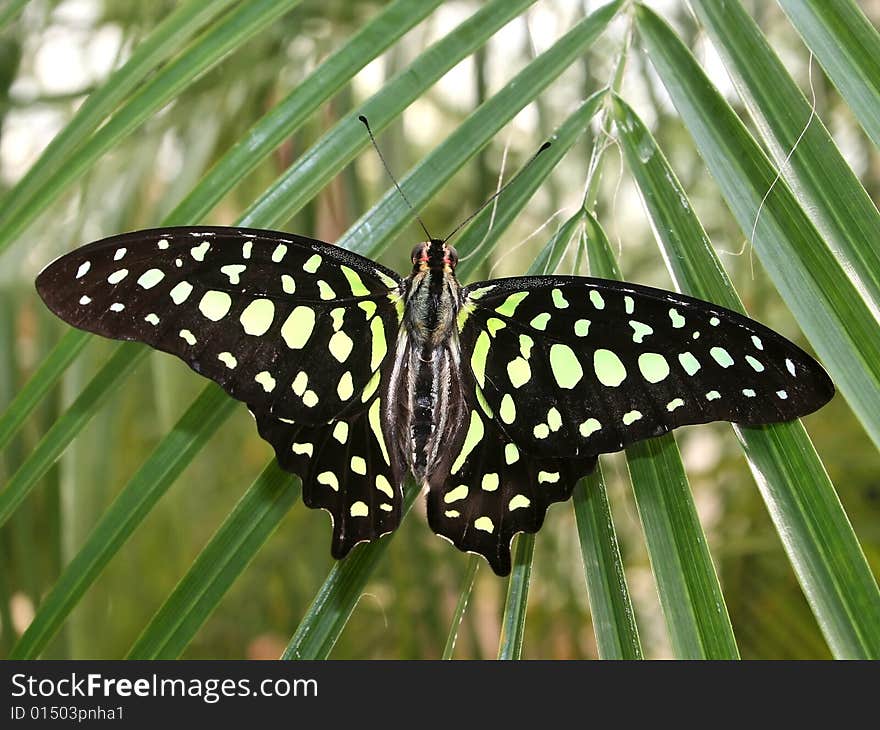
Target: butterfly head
[434, 255]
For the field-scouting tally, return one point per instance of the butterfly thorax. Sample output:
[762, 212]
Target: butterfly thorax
[428, 391]
[432, 295]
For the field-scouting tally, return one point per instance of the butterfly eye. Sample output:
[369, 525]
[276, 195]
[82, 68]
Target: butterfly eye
[419, 252]
[451, 256]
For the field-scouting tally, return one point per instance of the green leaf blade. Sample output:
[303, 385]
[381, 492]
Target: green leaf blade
[242, 23]
[812, 525]
[9, 13]
[56, 440]
[49, 372]
[513, 623]
[289, 115]
[690, 595]
[614, 623]
[165, 40]
[848, 47]
[464, 596]
[337, 598]
[316, 167]
[808, 159]
[832, 313]
[150, 482]
[224, 558]
[478, 239]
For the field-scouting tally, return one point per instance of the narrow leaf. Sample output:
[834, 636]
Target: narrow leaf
[829, 308]
[254, 519]
[801, 500]
[163, 42]
[614, 624]
[50, 370]
[467, 587]
[848, 47]
[477, 243]
[513, 624]
[829, 191]
[242, 23]
[690, 595]
[513, 619]
[283, 120]
[338, 596]
[10, 12]
[550, 256]
[150, 482]
[52, 445]
[472, 135]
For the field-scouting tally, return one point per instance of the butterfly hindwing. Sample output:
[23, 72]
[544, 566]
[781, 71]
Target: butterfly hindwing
[345, 468]
[575, 366]
[492, 490]
[272, 317]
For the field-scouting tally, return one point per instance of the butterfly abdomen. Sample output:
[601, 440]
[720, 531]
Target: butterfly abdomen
[428, 392]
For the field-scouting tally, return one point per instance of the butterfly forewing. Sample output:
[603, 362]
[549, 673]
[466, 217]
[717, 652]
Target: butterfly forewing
[577, 366]
[292, 326]
[296, 328]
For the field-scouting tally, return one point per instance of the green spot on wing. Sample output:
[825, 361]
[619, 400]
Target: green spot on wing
[311, 266]
[354, 282]
[653, 366]
[540, 321]
[519, 372]
[510, 304]
[589, 427]
[478, 358]
[640, 330]
[689, 363]
[565, 366]
[609, 369]
[472, 438]
[721, 356]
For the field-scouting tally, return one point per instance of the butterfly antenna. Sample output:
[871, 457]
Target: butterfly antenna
[473, 215]
[363, 119]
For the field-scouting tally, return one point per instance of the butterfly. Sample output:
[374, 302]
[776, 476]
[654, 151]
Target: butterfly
[497, 396]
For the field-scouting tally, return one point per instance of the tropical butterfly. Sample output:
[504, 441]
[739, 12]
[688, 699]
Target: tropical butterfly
[497, 396]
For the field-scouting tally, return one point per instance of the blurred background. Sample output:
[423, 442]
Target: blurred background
[56, 53]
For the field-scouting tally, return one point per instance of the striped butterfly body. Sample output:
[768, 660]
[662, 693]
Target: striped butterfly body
[497, 396]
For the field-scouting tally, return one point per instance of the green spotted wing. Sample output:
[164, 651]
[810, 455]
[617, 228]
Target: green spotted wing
[579, 366]
[562, 369]
[492, 490]
[295, 328]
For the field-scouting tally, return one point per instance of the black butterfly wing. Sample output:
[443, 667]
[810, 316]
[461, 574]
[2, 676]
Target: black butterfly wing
[272, 317]
[556, 370]
[488, 490]
[577, 366]
[346, 469]
[296, 328]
